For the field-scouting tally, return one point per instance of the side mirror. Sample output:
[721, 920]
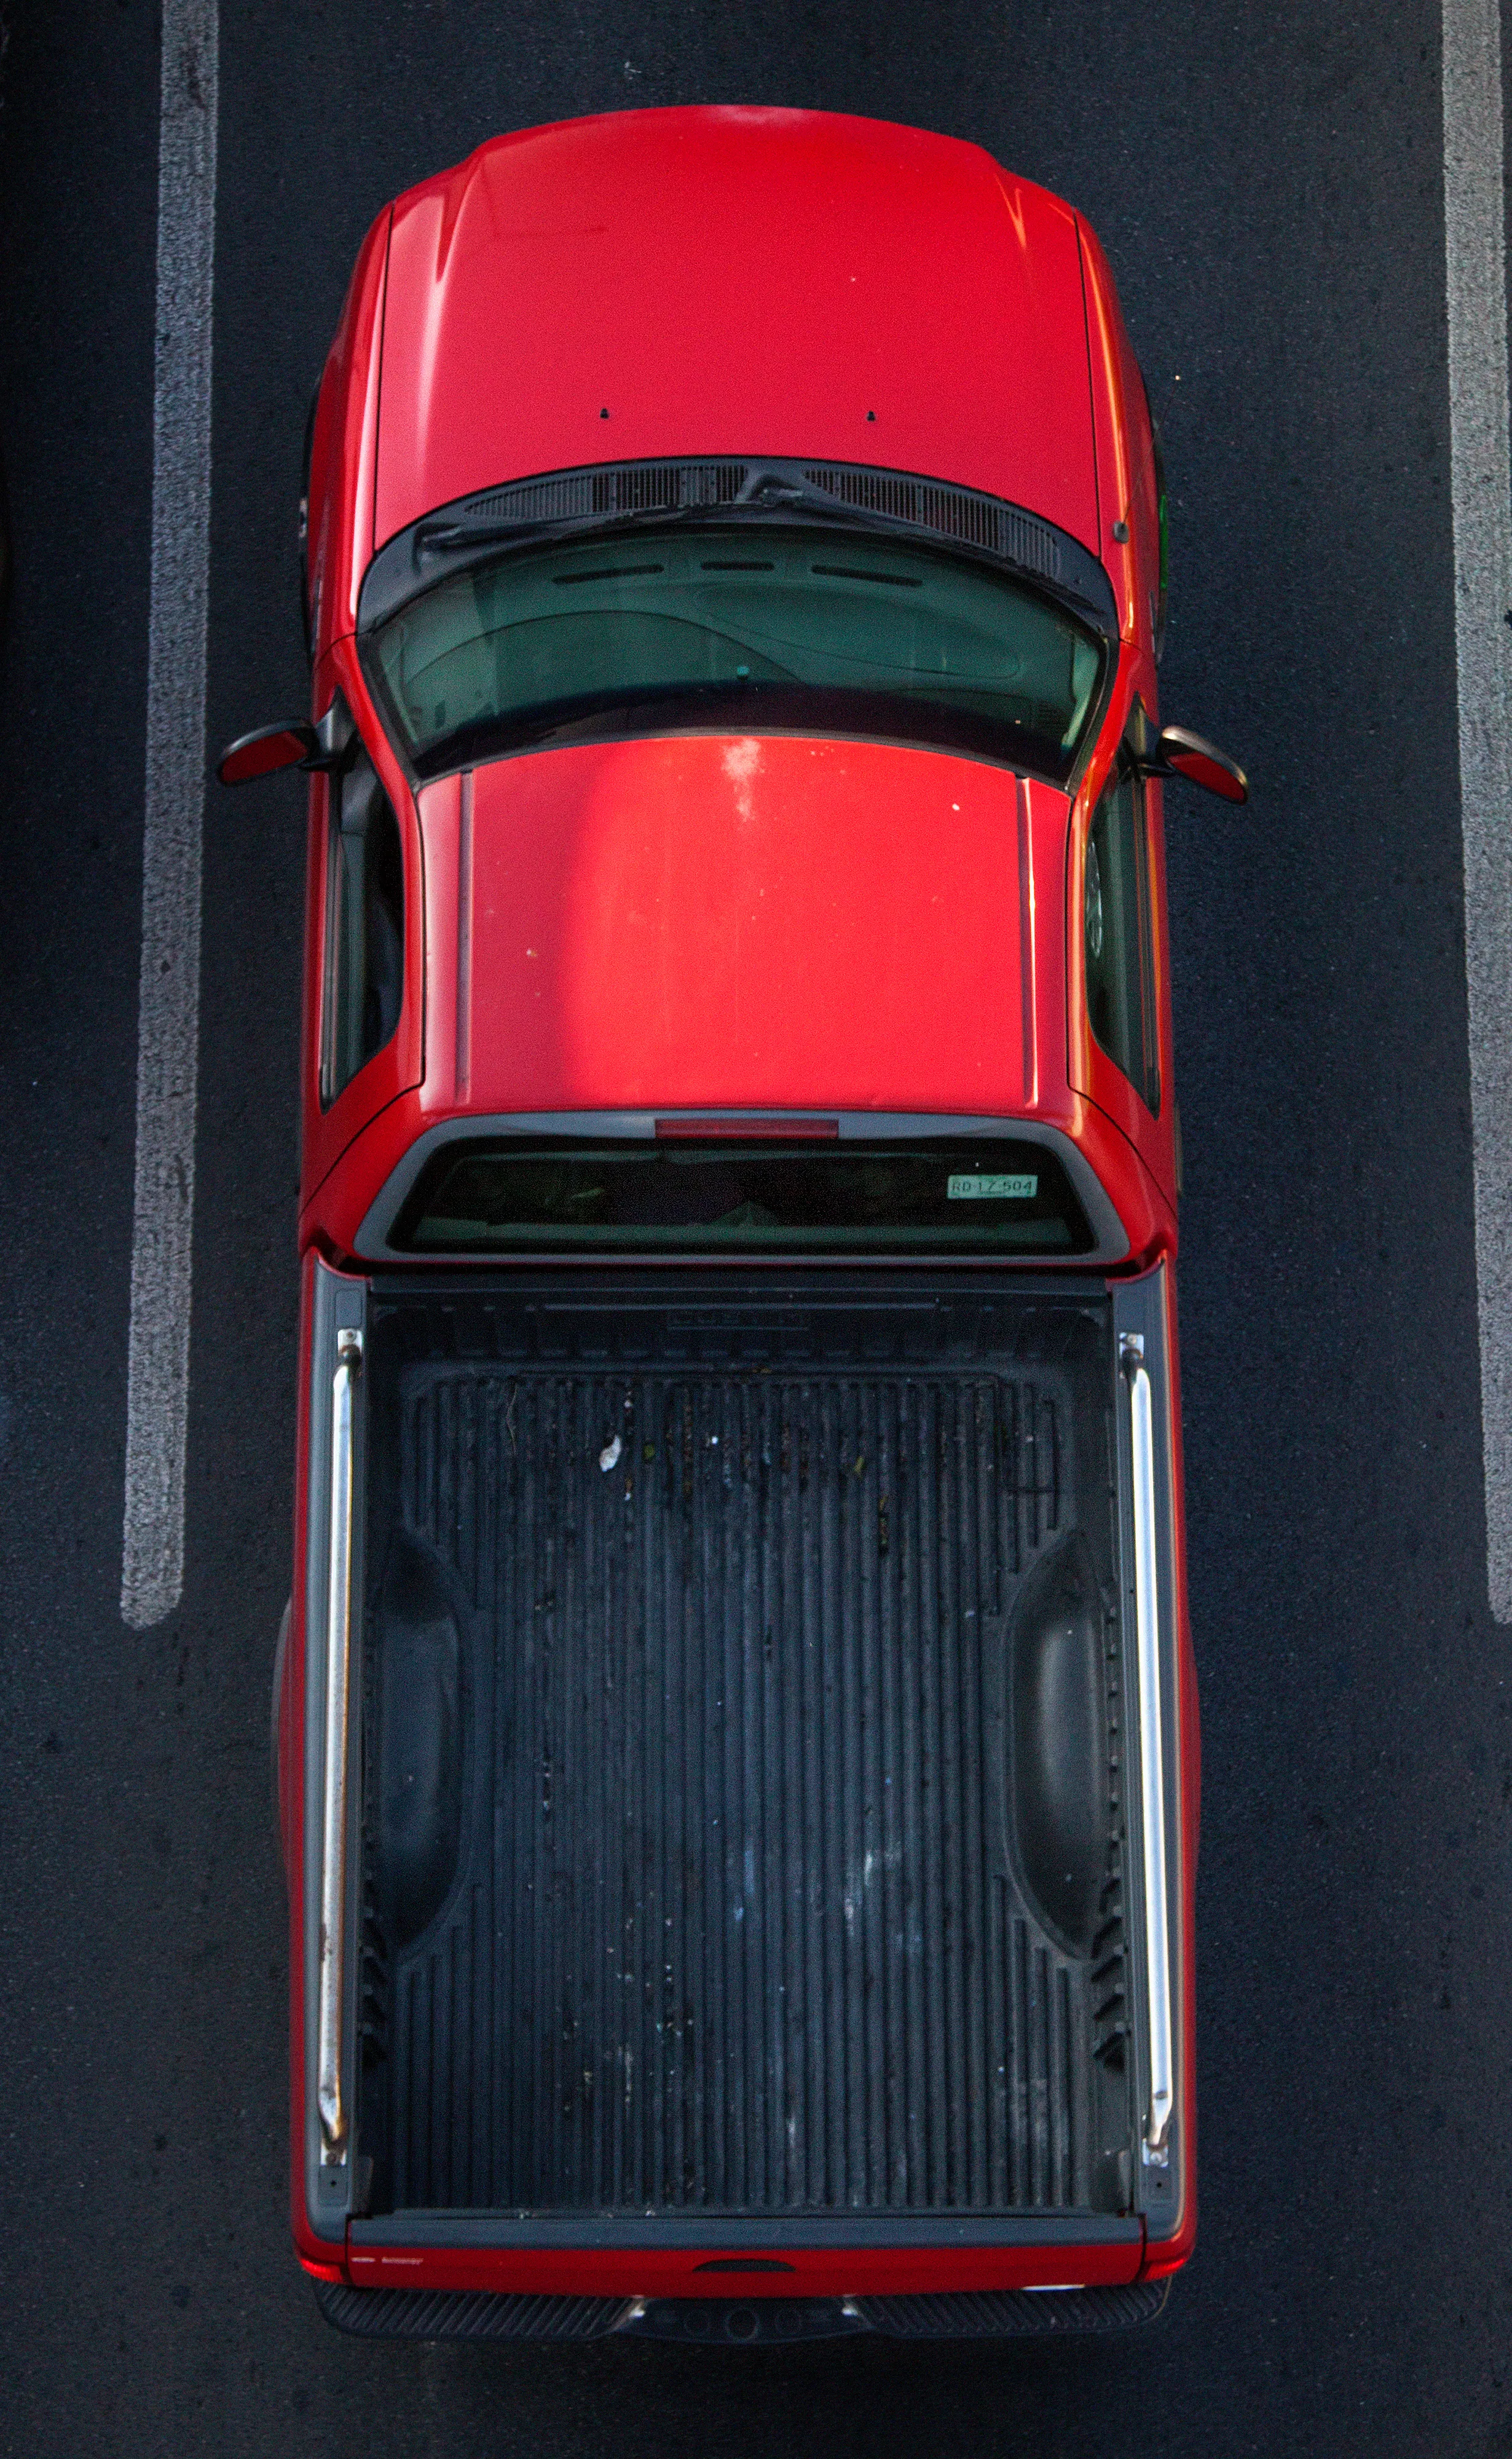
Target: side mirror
[1180, 754]
[269, 747]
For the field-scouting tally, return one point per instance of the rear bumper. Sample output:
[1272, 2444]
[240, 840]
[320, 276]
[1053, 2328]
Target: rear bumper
[719, 2321]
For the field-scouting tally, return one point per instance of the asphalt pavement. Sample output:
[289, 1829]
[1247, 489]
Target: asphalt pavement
[1268, 186]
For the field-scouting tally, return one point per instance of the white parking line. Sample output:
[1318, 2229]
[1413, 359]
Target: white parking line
[1480, 476]
[167, 1046]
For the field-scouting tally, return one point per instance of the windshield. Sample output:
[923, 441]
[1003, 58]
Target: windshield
[961, 1195]
[740, 626]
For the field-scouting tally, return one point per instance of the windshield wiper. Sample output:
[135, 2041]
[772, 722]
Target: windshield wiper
[770, 487]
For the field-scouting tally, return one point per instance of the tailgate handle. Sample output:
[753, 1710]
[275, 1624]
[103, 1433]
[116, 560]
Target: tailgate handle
[1152, 1770]
[338, 1663]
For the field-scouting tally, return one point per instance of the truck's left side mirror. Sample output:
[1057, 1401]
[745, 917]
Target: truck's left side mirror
[269, 747]
[1180, 754]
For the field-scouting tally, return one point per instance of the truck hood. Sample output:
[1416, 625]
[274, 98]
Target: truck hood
[728, 922]
[732, 282]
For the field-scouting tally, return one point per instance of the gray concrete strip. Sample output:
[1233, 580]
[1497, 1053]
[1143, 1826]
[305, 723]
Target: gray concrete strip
[1482, 486]
[167, 1050]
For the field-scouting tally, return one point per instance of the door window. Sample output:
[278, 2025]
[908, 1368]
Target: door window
[1120, 959]
[364, 926]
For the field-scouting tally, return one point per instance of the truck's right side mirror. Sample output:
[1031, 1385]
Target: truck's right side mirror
[1178, 752]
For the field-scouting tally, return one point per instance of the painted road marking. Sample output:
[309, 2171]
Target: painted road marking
[1481, 472]
[168, 1026]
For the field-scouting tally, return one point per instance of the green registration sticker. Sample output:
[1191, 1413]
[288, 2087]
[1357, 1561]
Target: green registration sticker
[966, 1185]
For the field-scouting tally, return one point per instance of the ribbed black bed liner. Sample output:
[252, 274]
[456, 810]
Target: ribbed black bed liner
[735, 1925]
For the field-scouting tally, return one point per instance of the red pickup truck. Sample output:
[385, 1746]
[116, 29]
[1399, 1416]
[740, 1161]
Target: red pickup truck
[736, 1724]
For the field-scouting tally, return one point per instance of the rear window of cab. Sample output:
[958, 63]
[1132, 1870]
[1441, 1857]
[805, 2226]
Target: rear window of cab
[953, 1196]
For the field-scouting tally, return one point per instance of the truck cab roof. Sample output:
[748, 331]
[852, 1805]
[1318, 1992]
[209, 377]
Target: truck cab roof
[745, 923]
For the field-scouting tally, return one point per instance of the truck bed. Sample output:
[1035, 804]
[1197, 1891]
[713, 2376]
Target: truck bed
[742, 1821]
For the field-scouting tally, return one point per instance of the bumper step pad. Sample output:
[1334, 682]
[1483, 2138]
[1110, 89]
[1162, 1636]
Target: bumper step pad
[717, 2321]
